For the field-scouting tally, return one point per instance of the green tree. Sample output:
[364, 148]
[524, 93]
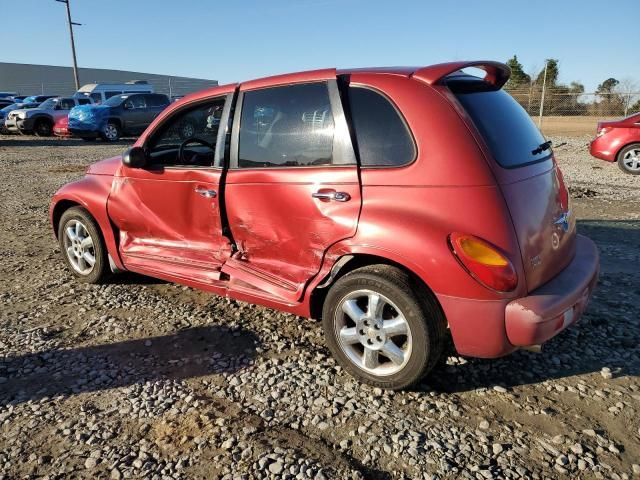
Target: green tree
[608, 102]
[553, 71]
[607, 86]
[518, 78]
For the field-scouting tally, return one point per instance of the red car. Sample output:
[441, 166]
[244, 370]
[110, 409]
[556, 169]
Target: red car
[619, 141]
[399, 205]
[61, 127]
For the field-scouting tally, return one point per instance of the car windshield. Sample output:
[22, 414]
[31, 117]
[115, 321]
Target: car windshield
[511, 135]
[116, 100]
[49, 104]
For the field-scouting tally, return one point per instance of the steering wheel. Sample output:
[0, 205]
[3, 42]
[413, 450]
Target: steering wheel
[186, 142]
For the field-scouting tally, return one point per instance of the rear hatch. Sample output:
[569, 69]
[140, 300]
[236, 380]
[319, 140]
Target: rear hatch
[527, 173]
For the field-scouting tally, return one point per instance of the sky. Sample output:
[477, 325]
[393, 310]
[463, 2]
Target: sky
[237, 40]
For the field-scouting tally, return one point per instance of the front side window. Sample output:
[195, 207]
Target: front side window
[84, 101]
[382, 136]
[188, 138]
[287, 126]
[157, 100]
[96, 97]
[108, 95]
[135, 101]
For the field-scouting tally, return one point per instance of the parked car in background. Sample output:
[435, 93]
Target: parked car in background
[7, 95]
[619, 141]
[38, 98]
[61, 127]
[40, 120]
[101, 92]
[399, 220]
[4, 112]
[6, 101]
[19, 98]
[126, 114]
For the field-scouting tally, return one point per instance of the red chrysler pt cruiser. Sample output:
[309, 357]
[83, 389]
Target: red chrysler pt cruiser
[398, 205]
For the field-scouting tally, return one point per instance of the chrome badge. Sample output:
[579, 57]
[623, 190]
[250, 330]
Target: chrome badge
[563, 221]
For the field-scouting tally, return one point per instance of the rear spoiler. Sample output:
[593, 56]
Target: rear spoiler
[497, 73]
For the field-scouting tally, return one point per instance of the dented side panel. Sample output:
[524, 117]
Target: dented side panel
[165, 224]
[281, 231]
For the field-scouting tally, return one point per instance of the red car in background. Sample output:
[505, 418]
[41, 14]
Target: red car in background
[619, 141]
[61, 127]
[395, 204]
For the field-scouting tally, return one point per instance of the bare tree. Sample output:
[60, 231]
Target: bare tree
[628, 89]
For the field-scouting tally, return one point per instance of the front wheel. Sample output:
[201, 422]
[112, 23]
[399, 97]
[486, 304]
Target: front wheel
[82, 246]
[111, 132]
[382, 328]
[629, 159]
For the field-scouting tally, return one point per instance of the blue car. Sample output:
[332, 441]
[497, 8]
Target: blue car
[125, 114]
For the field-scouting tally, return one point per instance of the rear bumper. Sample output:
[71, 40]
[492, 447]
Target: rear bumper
[493, 328]
[544, 313]
[82, 133]
[602, 148]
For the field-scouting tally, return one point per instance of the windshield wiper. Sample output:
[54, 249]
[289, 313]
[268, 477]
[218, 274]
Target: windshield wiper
[542, 147]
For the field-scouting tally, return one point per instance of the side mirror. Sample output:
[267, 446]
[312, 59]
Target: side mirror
[135, 157]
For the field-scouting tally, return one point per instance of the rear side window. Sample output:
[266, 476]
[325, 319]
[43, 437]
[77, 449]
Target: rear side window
[506, 127]
[157, 100]
[289, 126]
[83, 101]
[108, 95]
[381, 134]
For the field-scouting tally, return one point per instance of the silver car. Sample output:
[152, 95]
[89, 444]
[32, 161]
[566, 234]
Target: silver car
[39, 121]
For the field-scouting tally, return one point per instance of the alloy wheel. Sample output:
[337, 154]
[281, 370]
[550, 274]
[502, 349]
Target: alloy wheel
[631, 160]
[111, 132]
[373, 333]
[79, 247]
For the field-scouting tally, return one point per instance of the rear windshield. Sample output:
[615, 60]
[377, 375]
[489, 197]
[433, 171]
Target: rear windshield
[506, 127]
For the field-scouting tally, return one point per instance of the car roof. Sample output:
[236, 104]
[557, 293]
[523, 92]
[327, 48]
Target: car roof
[496, 73]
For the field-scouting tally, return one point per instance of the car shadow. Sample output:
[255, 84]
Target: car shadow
[606, 336]
[189, 353]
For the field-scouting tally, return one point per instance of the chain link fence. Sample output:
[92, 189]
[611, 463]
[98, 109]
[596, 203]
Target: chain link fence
[558, 111]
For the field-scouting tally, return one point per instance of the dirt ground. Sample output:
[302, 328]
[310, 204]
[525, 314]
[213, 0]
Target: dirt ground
[144, 379]
[570, 125]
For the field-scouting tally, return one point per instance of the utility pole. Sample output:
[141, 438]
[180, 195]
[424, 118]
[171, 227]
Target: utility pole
[544, 87]
[73, 45]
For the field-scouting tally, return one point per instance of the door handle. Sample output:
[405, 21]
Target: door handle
[206, 193]
[337, 196]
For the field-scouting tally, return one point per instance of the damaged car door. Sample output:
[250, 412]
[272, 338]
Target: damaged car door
[292, 189]
[168, 211]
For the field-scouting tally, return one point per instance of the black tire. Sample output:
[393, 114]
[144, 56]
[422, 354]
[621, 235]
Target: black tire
[111, 132]
[423, 315]
[43, 128]
[100, 271]
[621, 160]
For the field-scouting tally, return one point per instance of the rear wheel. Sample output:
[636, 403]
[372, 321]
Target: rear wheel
[82, 246]
[629, 159]
[111, 132]
[43, 128]
[382, 328]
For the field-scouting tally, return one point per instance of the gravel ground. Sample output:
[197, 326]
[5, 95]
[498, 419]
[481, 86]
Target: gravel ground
[145, 379]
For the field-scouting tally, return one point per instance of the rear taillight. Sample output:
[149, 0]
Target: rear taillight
[601, 131]
[484, 262]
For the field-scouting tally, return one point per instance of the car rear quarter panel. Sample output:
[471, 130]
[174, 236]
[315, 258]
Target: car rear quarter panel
[410, 211]
[90, 192]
